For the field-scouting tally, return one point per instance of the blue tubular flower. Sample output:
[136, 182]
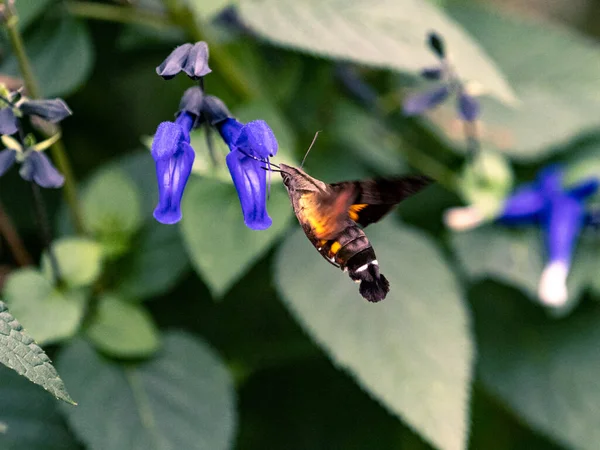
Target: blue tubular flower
[188, 58]
[561, 213]
[247, 142]
[7, 159]
[8, 121]
[174, 158]
[53, 110]
[37, 167]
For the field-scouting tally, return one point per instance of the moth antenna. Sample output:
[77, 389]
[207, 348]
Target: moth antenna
[309, 147]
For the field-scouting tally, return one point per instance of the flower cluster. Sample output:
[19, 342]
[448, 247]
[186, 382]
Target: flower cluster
[251, 145]
[448, 82]
[559, 210]
[35, 165]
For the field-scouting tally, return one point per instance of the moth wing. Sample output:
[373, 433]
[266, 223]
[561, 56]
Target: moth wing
[373, 199]
[327, 212]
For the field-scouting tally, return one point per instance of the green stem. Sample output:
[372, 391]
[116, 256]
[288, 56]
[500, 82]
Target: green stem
[227, 66]
[58, 151]
[122, 14]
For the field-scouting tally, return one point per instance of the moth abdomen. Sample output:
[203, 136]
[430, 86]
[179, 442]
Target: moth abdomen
[363, 267]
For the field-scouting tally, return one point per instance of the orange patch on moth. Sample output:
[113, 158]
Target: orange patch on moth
[335, 247]
[355, 209]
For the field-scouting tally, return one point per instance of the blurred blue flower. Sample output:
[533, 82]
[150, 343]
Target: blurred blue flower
[189, 58]
[251, 145]
[35, 166]
[467, 105]
[53, 110]
[559, 210]
[174, 158]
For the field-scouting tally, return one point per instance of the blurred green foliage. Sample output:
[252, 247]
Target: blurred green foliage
[207, 335]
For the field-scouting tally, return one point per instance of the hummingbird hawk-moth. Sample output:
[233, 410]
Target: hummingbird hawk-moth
[330, 215]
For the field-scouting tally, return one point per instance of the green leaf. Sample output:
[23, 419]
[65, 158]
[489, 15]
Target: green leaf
[517, 257]
[413, 351]
[207, 9]
[47, 314]
[79, 261]
[546, 371]
[61, 54]
[157, 264]
[561, 94]
[29, 10]
[19, 352]
[183, 398]
[112, 210]
[220, 246]
[31, 417]
[390, 34]
[122, 329]
[367, 139]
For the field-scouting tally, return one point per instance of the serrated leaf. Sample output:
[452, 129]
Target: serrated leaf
[31, 417]
[122, 330]
[79, 261]
[562, 94]
[20, 353]
[545, 370]
[388, 33]
[47, 314]
[413, 350]
[61, 54]
[111, 210]
[158, 262]
[517, 257]
[220, 246]
[183, 398]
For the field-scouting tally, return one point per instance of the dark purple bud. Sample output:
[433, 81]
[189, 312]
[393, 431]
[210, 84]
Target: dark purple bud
[550, 180]
[196, 65]
[8, 121]
[419, 103]
[436, 43]
[51, 110]
[192, 59]
[191, 101]
[468, 107]
[7, 159]
[584, 188]
[215, 110]
[37, 168]
[432, 73]
[173, 64]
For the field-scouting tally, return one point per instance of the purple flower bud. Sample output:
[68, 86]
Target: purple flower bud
[37, 167]
[191, 101]
[8, 121]
[584, 189]
[468, 107]
[174, 158]
[432, 73]
[419, 103]
[563, 222]
[436, 43]
[191, 59]
[51, 110]
[7, 159]
[215, 110]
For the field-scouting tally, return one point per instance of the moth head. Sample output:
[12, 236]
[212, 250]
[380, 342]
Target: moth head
[298, 180]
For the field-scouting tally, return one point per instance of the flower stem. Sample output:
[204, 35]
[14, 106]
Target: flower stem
[9, 231]
[122, 14]
[227, 66]
[58, 151]
[44, 223]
